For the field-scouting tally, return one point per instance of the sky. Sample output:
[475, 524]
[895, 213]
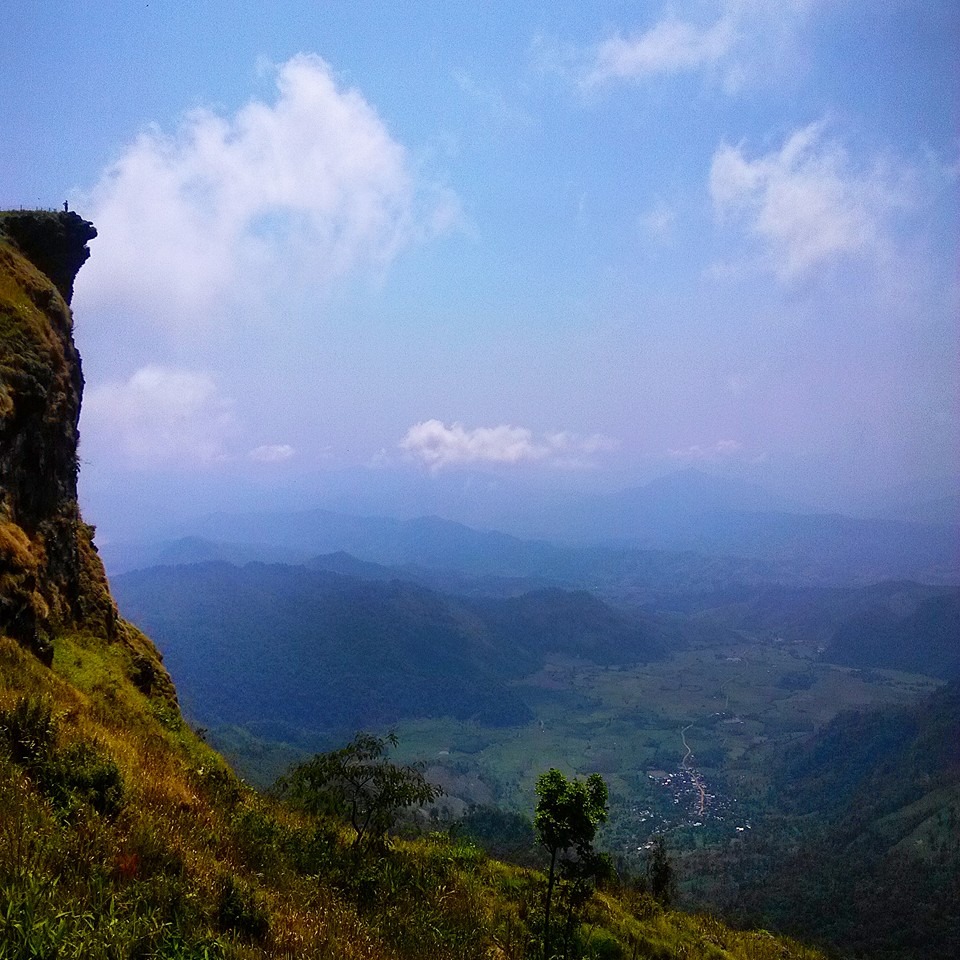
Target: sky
[553, 246]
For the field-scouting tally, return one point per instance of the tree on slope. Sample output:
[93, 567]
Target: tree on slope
[358, 783]
[568, 814]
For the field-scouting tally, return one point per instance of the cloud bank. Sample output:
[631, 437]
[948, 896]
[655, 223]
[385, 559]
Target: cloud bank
[227, 208]
[437, 445]
[272, 453]
[722, 449]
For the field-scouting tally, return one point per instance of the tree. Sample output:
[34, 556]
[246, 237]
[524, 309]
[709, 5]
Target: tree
[359, 784]
[660, 873]
[568, 814]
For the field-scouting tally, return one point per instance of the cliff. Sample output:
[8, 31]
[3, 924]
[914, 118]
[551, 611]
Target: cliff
[51, 578]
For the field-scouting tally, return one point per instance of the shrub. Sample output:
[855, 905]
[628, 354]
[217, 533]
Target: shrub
[29, 730]
[240, 910]
[68, 777]
[81, 774]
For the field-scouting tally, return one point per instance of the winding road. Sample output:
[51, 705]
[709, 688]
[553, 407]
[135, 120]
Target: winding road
[695, 777]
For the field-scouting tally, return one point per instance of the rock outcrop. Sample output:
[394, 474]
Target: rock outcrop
[51, 577]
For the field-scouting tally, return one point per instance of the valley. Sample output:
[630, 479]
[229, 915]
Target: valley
[755, 713]
[730, 705]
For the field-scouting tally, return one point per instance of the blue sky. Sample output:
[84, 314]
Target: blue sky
[560, 244]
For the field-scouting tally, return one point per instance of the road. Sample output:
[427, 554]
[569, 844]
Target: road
[695, 777]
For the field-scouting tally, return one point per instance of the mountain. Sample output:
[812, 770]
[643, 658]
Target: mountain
[51, 578]
[442, 581]
[920, 637]
[935, 501]
[123, 834]
[893, 625]
[321, 651]
[123, 556]
[628, 533]
[670, 500]
[448, 555]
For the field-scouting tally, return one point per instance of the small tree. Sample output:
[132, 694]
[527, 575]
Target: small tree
[568, 814]
[360, 785]
[660, 876]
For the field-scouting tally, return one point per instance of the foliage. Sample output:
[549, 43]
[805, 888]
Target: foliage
[29, 730]
[76, 774]
[569, 811]
[568, 814]
[660, 876]
[864, 853]
[503, 834]
[241, 910]
[358, 783]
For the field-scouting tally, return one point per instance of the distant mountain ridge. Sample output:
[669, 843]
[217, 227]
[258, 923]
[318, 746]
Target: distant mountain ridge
[689, 513]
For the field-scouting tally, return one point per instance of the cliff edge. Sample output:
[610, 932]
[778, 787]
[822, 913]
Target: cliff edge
[51, 578]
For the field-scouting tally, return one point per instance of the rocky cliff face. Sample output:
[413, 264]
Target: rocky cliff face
[51, 578]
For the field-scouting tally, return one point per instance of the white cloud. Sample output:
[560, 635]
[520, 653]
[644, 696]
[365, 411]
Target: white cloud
[742, 38]
[807, 203]
[437, 446]
[670, 46]
[161, 415]
[272, 453]
[228, 208]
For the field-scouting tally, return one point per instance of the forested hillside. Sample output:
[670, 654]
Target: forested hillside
[864, 851]
[323, 651]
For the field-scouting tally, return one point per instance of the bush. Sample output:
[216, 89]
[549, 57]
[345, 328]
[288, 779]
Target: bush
[241, 911]
[80, 774]
[68, 777]
[29, 730]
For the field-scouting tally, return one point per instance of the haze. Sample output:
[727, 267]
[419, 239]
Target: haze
[393, 257]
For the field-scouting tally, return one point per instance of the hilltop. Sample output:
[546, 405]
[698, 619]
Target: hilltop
[123, 833]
